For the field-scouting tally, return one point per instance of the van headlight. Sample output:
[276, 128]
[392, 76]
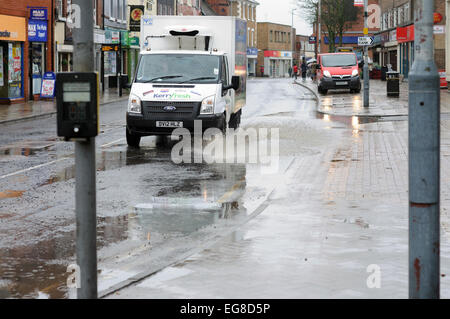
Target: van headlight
[326, 74]
[208, 105]
[134, 104]
[355, 73]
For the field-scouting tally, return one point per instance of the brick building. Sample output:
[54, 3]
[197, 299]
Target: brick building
[394, 44]
[188, 7]
[246, 10]
[274, 49]
[353, 30]
[303, 49]
[26, 48]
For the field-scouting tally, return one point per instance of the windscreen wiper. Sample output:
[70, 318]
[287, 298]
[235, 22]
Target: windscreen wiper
[163, 78]
[198, 79]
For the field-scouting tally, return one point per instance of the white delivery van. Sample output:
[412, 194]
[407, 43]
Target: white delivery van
[190, 68]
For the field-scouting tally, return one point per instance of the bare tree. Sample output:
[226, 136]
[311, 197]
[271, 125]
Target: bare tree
[336, 16]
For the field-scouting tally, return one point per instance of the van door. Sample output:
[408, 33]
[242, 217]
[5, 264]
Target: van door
[225, 80]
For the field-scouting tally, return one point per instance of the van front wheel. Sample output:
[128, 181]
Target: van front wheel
[132, 140]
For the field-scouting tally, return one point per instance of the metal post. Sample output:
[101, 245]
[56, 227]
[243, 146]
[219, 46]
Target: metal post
[424, 160]
[120, 63]
[320, 27]
[85, 173]
[366, 59]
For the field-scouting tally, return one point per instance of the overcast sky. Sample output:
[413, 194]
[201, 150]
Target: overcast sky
[279, 11]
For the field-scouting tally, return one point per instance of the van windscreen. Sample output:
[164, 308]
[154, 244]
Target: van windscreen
[335, 60]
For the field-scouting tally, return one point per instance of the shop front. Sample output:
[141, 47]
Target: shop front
[390, 52]
[115, 53]
[252, 56]
[133, 56]
[277, 63]
[37, 38]
[12, 39]
[405, 38]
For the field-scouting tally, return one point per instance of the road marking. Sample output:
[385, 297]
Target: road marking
[34, 167]
[113, 142]
[52, 162]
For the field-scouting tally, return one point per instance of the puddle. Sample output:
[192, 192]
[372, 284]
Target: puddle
[38, 270]
[11, 194]
[349, 121]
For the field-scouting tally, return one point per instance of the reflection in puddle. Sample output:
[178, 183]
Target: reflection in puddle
[25, 148]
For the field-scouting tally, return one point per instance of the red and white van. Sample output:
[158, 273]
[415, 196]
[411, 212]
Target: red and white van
[337, 71]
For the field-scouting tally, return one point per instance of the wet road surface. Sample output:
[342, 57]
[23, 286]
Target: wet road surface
[151, 212]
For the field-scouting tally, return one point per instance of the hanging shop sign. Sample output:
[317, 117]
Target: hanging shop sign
[437, 17]
[38, 14]
[358, 3]
[48, 85]
[136, 12]
[12, 28]
[37, 31]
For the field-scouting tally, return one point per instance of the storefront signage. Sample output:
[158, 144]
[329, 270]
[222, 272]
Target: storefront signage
[110, 48]
[252, 51]
[358, 3]
[136, 12]
[38, 14]
[439, 29]
[405, 34]
[12, 28]
[312, 40]
[134, 41]
[37, 31]
[115, 36]
[48, 85]
[277, 54]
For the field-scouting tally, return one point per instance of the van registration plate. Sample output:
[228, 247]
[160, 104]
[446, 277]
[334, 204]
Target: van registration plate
[342, 83]
[169, 124]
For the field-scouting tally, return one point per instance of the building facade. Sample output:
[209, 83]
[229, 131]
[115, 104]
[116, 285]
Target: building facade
[275, 55]
[245, 10]
[303, 49]
[354, 30]
[394, 44]
[26, 48]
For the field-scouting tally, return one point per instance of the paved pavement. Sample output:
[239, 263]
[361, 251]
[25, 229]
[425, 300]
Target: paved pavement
[342, 103]
[340, 216]
[42, 108]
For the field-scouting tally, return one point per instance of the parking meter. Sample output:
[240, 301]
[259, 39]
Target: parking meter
[77, 105]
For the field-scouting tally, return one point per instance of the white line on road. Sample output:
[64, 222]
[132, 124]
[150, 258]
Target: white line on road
[52, 162]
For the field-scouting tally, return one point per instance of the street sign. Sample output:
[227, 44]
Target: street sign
[365, 41]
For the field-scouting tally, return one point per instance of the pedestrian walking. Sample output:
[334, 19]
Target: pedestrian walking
[290, 72]
[295, 71]
[304, 69]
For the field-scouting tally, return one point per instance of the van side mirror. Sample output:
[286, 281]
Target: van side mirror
[235, 82]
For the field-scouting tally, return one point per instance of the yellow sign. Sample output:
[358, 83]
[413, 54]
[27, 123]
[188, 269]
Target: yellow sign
[366, 31]
[12, 28]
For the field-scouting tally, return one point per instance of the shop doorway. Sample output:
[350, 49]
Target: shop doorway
[37, 67]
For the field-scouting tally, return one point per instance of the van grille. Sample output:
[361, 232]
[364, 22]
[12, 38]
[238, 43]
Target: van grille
[184, 110]
[341, 77]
